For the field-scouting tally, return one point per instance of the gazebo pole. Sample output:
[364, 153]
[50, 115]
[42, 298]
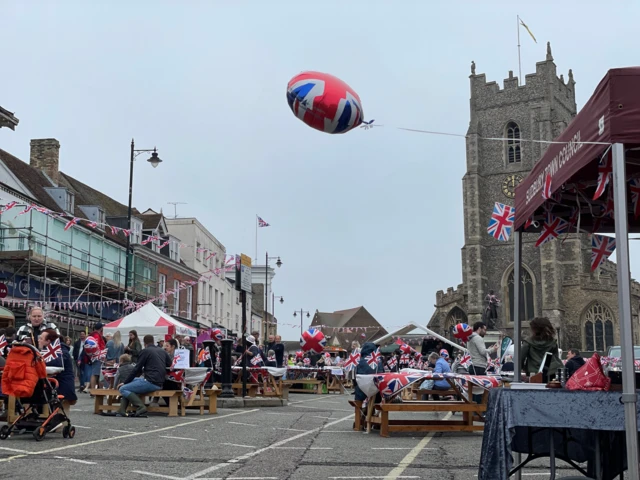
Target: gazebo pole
[629, 397]
[517, 334]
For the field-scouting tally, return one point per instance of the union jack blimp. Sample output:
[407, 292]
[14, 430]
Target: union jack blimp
[324, 102]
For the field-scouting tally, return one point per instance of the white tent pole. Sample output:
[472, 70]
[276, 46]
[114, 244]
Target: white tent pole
[413, 326]
[629, 397]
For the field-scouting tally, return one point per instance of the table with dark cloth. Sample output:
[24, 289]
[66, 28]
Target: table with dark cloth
[521, 421]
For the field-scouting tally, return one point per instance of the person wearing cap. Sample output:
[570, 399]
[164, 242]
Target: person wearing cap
[251, 351]
[96, 363]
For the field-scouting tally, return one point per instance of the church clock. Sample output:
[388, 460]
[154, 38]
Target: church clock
[509, 185]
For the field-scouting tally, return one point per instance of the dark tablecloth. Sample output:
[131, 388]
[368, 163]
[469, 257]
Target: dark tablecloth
[573, 415]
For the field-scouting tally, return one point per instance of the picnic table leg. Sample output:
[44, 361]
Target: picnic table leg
[370, 406]
[384, 423]
[173, 406]
[97, 404]
[357, 426]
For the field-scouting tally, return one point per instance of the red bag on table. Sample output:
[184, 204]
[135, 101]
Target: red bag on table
[589, 377]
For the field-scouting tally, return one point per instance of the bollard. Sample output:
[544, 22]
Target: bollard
[225, 363]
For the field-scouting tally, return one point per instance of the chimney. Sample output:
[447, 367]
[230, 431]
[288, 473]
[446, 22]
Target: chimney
[45, 156]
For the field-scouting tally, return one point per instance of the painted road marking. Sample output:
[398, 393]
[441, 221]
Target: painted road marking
[80, 426]
[155, 475]
[411, 456]
[317, 416]
[179, 438]
[76, 460]
[291, 429]
[237, 445]
[288, 414]
[245, 424]
[321, 408]
[119, 431]
[13, 450]
[134, 434]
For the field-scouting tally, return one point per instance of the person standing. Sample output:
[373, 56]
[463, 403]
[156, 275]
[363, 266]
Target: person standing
[115, 349]
[477, 349]
[96, 362]
[30, 332]
[574, 361]
[534, 349]
[134, 347]
[278, 349]
[76, 353]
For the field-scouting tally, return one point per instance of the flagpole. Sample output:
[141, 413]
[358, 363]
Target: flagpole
[519, 60]
[256, 257]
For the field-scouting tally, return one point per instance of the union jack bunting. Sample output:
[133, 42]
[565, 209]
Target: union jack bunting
[552, 228]
[176, 376]
[605, 170]
[262, 223]
[52, 351]
[373, 358]
[634, 187]
[501, 221]
[3, 342]
[8, 206]
[601, 248]
[71, 223]
[392, 383]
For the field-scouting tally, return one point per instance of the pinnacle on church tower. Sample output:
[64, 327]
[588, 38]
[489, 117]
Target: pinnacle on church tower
[549, 56]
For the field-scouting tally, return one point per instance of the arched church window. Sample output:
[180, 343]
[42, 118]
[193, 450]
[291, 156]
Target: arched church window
[514, 153]
[456, 315]
[598, 328]
[527, 301]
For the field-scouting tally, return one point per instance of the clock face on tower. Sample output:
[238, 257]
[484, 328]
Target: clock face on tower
[509, 185]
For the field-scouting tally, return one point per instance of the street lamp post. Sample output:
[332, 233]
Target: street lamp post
[154, 160]
[302, 312]
[273, 305]
[266, 292]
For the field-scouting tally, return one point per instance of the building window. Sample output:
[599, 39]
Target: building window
[116, 273]
[176, 297]
[22, 241]
[84, 261]
[198, 251]
[174, 250]
[528, 297]
[514, 152]
[189, 302]
[598, 328]
[64, 254]
[456, 316]
[146, 280]
[162, 287]
[136, 231]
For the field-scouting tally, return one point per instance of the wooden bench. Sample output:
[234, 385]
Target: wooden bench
[205, 400]
[357, 424]
[112, 396]
[317, 385]
[252, 389]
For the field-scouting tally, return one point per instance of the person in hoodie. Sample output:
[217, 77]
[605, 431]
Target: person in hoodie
[574, 361]
[541, 341]
[363, 368]
[477, 349]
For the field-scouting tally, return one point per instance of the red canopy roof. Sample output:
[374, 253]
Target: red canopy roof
[612, 115]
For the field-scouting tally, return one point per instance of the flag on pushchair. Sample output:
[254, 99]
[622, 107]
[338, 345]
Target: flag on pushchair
[52, 354]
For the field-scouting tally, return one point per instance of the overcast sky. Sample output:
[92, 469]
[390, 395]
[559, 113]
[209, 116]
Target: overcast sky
[367, 218]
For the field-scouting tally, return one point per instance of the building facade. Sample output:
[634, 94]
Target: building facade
[218, 302]
[557, 280]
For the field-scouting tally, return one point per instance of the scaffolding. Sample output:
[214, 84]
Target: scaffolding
[76, 273]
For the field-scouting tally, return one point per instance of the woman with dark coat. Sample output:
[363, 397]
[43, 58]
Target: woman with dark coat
[66, 378]
[364, 368]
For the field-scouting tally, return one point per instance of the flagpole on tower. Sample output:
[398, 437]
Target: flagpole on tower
[256, 257]
[519, 60]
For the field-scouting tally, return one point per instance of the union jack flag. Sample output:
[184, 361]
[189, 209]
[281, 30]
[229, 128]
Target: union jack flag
[552, 228]
[465, 361]
[634, 187]
[601, 248]
[392, 362]
[8, 206]
[373, 358]
[262, 223]
[501, 221]
[605, 170]
[52, 351]
[313, 340]
[71, 223]
[3, 342]
[176, 376]
[256, 360]
[352, 361]
[392, 383]
[404, 359]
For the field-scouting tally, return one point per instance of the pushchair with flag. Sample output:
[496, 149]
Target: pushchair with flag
[25, 378]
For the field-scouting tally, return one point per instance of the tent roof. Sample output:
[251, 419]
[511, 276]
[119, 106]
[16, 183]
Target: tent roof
[612, 115]
[410, 327]
[149, 318]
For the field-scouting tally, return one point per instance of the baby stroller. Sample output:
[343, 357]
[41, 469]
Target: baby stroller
[25, 377]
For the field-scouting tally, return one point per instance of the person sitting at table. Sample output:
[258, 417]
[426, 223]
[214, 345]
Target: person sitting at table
[507, 366]
[153, 363]
[170, 347]
[442, 366]
[271, 359]
[541, 341]
[125, 367]
[574, 361]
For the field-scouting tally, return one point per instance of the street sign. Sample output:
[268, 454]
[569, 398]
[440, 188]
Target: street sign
[3, 290]
[243, 273]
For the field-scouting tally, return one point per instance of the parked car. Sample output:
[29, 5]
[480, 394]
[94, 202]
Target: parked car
[615, 363]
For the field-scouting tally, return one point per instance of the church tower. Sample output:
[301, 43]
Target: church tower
[501, 149]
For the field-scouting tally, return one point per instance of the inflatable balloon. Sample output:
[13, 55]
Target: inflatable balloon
[313, 341]
[324, 102]
[462, 331]
[217, 334]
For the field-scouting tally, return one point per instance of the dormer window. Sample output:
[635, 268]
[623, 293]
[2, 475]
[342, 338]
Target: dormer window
[136, 230]
[174, 249]
[95, 214]
[63, 197]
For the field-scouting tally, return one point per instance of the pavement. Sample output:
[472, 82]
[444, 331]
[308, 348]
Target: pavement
[310, 438]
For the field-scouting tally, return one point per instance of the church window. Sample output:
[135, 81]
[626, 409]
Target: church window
[598, 328]
[527, 301]
[514, 154]
[456, 315]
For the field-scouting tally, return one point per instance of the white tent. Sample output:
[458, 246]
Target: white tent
[149, 320]
[409, 328]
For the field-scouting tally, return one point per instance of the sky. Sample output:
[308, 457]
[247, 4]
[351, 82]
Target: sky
[370, 218]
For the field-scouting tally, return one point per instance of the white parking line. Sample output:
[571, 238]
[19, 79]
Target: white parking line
[156, 475]
[317, 416]
[15, 450]
[80, 426]
[237, 445]
[179, 438]
[320, 408]
[245, 424]
[129, 435]
[291, 429]
[119, 431]
[369, 476]
[75, 460]
[288, 414]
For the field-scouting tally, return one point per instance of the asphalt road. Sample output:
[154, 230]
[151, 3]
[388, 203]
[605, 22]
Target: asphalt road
[310, 439]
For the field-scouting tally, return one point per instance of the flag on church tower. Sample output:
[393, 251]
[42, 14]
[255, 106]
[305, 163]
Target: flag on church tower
[527, 29]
